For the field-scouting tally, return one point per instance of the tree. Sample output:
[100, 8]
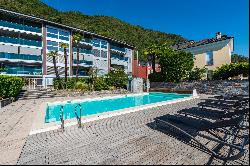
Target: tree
[152, 53]
[77, 38]
[65, 46]
[54, 54]
[235, 58]
[175, 65]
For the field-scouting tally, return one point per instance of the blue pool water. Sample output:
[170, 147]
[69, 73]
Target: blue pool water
[106, 105]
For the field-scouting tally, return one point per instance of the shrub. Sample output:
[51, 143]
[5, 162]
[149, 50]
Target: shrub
[196, 74]
[101, 84]
[10, 86]
[231, 70]
[156, 77]
[70, 84]
[81, 86]
[117, 78]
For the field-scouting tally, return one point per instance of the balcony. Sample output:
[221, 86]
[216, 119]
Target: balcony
[20, 56]
[86, 41]
[83, 51]
[118, 49]
[80, 73]
[84, 62]
[23, 70]
[20, 41]
[20, 26]
[118, 57]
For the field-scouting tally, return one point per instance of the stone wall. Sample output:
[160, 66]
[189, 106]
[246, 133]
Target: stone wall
[208, 87]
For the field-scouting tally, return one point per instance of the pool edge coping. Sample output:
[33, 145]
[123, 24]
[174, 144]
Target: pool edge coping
[71, 122]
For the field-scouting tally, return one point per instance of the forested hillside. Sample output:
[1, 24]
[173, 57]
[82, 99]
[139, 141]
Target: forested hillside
[103, 25]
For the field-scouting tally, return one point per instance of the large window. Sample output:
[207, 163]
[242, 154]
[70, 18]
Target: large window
[209, 58]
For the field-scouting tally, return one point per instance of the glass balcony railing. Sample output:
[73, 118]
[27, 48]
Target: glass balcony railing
[23, 70]
[83, 62]
[86, 40]
[20, 26]
[84, 51]
[118, 57]
[20, 56]
[20, 41]
[117, 48]
[80, 72]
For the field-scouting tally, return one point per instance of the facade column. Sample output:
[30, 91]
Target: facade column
[44, 53]
[109, 58]
[71, 54]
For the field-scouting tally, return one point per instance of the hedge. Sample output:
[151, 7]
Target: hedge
[231, 70]
[10, 86]
[70, 84]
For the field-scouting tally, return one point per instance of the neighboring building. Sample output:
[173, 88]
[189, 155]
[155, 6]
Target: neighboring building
[210, 53]
[26, 40]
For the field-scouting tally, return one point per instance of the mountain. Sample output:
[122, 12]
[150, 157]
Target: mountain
[103, 25]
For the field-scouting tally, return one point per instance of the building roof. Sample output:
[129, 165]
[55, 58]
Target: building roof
[64, 26]
[191, 43]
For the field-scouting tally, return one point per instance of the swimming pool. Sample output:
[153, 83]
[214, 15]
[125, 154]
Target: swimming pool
[101, 105]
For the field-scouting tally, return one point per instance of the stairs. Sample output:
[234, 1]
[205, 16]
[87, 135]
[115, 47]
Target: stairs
[35, 94]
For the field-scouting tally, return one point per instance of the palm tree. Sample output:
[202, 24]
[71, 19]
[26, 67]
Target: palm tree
[54, 54]
[77, 38]
[65, 46]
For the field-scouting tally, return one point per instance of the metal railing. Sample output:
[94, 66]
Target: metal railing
[78, 117]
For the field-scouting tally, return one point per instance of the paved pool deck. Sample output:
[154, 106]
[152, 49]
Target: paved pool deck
[123, 139]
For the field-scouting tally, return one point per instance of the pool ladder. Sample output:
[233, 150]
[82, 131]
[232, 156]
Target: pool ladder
[62, 118]
[78, 117]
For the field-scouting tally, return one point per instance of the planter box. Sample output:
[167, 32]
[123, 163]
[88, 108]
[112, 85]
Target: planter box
[5, 102]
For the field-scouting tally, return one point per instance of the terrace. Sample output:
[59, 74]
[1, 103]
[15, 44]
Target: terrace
[124, 139]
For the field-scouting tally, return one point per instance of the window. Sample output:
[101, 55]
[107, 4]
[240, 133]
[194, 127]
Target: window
[64, 38]
[209, 58]
[51, 48]
[52, 30]
[64, 33]
[52, 35]
[52, 43]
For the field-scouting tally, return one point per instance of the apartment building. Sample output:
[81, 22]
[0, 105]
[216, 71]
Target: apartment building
[26, 40]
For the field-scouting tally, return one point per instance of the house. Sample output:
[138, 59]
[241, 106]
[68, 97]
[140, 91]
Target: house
[26, 40]
[209, 53]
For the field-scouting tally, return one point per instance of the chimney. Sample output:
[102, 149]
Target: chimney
[191, 41]
[218, 35]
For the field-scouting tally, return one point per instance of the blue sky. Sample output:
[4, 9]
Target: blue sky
[192, 19]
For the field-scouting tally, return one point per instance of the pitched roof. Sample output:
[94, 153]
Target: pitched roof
[191, 43]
